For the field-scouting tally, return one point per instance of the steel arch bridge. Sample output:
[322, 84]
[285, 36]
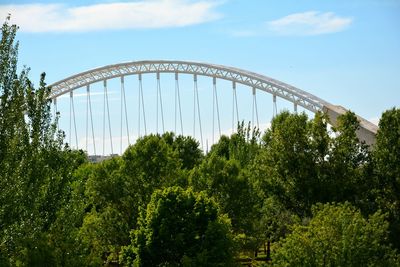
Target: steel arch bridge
[249, 79]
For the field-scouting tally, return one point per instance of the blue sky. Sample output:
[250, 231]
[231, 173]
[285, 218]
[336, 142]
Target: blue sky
[345, 52]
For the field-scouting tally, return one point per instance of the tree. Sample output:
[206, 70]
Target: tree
[187, 149]
[243, 146]
[148, 165]
[321, 147]
[111, 213]
[347, 160]
[107, 197]
[91, 229]
[180, 228]
[35, 168]
[64, 232]
[276, 221]
[337, 235]
[230, 186]
[386, 158]
[285, 168]
[300, 164]
[225, 175]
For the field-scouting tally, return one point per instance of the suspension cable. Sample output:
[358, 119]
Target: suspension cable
[70, 119]
[198, 108]
[176, 101]
[213, 112]
[126, 112]
[158, 81]
[252, 108]
[108, 115]
[216, 99]
[161, 105]
[236, 104]
[91, 119]
[73, 112]
[177, 95]
[194, 105]
[143, 109]
[139, 102]
[87, 117]
[121, 116]
[104, 119]
[255, 105]
[233, 105]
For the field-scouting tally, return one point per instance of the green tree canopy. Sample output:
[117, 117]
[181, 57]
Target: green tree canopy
[347, 160]
[187, 149]
[149, 164]
[386, 157]
[242, 146]
[337, 235]
[301, 164]
[286, 167]
[35, 168]
[180, 228]
[230, 186]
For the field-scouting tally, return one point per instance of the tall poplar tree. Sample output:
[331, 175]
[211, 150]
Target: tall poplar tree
[34, 167]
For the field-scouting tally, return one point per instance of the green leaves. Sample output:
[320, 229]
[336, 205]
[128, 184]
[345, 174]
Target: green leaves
[242, 146]
[150, 164]
[286, 167]
[386, 164]
[180, 228]
[337, 235]
[302, 163]
[34, 168]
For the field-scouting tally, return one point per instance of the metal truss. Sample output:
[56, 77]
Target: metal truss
[251, 79]
[295, 95]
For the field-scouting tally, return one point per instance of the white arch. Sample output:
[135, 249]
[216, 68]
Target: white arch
[253, 80]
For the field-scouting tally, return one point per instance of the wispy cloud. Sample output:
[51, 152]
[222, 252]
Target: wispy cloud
[298, 24]
[106, 16]
[309, 23]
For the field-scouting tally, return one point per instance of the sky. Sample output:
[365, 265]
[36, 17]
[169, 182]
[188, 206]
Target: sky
[345, 52]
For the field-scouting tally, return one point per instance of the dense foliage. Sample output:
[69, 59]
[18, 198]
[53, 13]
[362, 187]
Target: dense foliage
[180, 227]
[318, 195]
[35, 168]
[337, 235]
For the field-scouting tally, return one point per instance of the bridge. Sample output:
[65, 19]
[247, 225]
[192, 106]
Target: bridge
[254, 86]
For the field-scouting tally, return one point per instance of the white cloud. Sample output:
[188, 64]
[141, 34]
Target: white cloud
[309, 23]
[119, 15]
